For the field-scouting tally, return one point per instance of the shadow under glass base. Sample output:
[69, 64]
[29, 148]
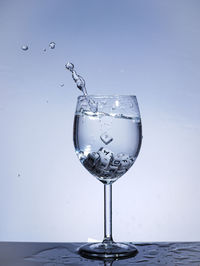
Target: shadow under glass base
[107, 250]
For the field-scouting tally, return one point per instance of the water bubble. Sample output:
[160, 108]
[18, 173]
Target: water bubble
[24, 47]
[62, 85]
[52, 45]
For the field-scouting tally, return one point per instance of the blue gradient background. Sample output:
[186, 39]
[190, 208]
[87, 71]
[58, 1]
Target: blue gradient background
[147, 48]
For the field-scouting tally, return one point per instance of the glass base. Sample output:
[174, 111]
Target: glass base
[110, 250]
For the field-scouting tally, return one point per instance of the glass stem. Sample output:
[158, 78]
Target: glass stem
[108, 214]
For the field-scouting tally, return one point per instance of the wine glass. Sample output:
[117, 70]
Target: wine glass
[107, 141]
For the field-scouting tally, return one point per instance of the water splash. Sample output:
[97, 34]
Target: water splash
[80, 83]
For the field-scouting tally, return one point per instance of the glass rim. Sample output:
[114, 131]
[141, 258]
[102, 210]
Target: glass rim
[107, 96]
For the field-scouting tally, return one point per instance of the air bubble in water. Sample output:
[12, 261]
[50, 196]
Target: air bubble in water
[52, 45]
[24, 47]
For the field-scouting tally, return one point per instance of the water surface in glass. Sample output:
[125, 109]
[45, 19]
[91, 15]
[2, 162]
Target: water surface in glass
[107, 141]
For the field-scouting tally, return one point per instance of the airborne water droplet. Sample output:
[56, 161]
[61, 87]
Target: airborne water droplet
[24, 47]
[69, 66]
[52, 45]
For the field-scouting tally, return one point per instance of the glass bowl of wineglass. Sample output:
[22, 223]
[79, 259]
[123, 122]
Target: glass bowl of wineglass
[107, 141]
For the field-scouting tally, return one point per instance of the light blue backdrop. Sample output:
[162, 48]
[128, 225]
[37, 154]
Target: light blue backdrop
[148, 48]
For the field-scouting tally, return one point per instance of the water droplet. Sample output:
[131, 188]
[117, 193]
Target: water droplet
[52, 45]
[62, 85]
[24, 47]
[69, 66]
[153, 252]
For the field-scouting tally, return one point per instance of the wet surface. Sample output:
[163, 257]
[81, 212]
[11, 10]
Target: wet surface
[59, 254]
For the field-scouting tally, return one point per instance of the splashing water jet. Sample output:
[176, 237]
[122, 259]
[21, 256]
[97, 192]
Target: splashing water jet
[80, 83]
